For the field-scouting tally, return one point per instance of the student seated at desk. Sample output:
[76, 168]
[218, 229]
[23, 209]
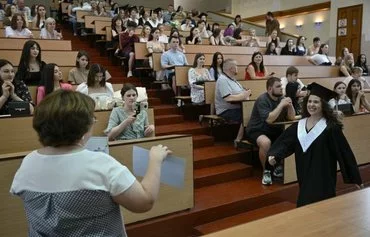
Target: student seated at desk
[97, 87]
[357, 74]
[194, 37]
[357, 96]
[321, 58]
[341, 98]
[51, 80]
[270, 107]
[78, 74]
[362, 63]
[228, 96]
[127, 45]
[155, 46]
[38, 21]
[271, 49]
[289, 48]
[347, 65]
[30, 64]
[18, 28]
[84, 189]
[49, 32]
[216, 69]
[197, 75]
[319, 144]
[128, 122]
[293, 87]
[11, 89]
[10, 10]
[216, 37]
[256, 69]
[253, 40]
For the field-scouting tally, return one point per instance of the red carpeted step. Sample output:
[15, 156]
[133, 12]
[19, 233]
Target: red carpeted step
[221, 174]
[200, 141]
[244, 217]
[181, 128]
[165, 109]
[168, 119]
[154, 101]
[217, 155]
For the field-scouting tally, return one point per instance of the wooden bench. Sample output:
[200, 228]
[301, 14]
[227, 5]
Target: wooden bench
[90, 20]
[22, 137]
[242, 59]
[61, 58]
[35, 32]
[11, 43]
[170, 199]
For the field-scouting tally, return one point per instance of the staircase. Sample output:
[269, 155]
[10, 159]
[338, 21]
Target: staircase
[228, 191]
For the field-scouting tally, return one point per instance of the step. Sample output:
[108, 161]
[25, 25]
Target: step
[221, 174]
[187, 127]
[154, 101]
[244, 217]
[165, 109]
[200, 141]
[217, 155]
[168, 119]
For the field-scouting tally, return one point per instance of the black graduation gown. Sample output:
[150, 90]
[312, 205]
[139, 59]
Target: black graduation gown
[317, 167]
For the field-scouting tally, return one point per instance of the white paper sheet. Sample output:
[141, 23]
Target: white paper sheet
[172, 172]
[99, 144]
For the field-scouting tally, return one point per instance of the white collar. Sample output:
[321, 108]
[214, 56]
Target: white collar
[306, 139]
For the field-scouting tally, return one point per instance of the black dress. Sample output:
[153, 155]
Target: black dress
[316, 167]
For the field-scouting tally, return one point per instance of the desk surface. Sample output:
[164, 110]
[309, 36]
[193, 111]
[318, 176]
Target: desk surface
[346, 215]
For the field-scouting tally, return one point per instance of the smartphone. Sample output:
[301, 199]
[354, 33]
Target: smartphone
[137, 109]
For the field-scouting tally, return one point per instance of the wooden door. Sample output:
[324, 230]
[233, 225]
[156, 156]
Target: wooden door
[349, 26]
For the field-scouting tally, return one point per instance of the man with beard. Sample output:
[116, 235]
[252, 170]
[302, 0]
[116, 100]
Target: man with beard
[270, 107]
[228, 93]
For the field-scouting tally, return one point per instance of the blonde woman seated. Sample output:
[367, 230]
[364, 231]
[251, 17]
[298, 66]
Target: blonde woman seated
[145, 33]
[197, 75]
[128, 122]
[97, 88]
[347, 65]
[253, 40]
[49, 32]
[274, 38]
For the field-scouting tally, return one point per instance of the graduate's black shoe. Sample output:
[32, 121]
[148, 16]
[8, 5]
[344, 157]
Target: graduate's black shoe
[266, 178]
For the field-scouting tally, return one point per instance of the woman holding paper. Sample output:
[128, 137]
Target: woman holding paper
[68, 190]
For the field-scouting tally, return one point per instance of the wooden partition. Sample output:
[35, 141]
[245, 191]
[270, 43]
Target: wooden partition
[345, 215]
[21, 136]
[100, 27]
[171, 199]
[90, 20]
[80, 15]
[63, 45]
[61, 58]
[243, 60]
[356, 129]
[35, 32]
[64, 7]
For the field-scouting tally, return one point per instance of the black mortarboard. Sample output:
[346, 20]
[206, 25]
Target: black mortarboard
[321, 91]
[202, 14]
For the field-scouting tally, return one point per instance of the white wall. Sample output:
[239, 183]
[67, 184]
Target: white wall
[309, 30]
[146, 3]
[204, 5]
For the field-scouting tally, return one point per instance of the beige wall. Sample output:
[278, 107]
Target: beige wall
[146, 3]
[204, 5]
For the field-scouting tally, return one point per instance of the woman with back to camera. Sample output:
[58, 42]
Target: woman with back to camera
[124, 121]
[357, 96]
[97, 87]
[318, 143]
[256, 69]
[51, 80]
[30, 65]
[84, 189]
[197, 75]
[216, 68]
[321, 58]
[11, 88]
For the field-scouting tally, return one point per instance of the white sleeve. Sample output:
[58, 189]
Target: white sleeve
[43, 33]
[110, 89]
[9, 31]
[82, 88]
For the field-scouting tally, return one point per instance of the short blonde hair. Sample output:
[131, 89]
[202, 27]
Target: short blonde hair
[357, 70]
[49, 20]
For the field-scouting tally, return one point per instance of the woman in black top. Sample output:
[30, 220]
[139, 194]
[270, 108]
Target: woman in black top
[361, 62]
[30, 64]
[288, 48]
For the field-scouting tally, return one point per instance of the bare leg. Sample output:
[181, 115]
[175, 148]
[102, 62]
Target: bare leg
[174, 85]
[130, 64]
[264, 144]
[240, 133]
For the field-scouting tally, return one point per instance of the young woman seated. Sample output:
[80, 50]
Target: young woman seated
[194, 37]
[342, 98]
[127, 122]
[357, 96]
[288, 48]
[300, 48]
[321, 58]
[49, 32]
[271, 49]
[216, 68]
[256, 69]
[18, 28]
[216, 38]
[51, 80]
[347, 65]
[362, 63]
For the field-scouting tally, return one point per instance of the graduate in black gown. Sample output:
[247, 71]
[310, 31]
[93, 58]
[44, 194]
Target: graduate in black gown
[318, 143]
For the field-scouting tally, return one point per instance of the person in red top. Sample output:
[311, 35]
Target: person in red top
[127, 41]
[256, 69]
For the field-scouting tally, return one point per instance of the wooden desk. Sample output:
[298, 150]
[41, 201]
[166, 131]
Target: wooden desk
[10, 43]
[12, 215]
[22, 137]
[90, 20]
[342, 216]
[100, 27]
[35, 32]
[61, 58]
[80, 15]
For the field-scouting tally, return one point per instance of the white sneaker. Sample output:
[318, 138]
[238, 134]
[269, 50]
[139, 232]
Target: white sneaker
[129, 74]
[266, 179]
[179, 103]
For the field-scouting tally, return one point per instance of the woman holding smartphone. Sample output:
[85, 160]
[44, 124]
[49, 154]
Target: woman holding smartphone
[124, 121]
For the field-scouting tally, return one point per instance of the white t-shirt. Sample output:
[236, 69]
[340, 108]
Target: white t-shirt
[44, 34]
[9, 32]
[320, 59]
